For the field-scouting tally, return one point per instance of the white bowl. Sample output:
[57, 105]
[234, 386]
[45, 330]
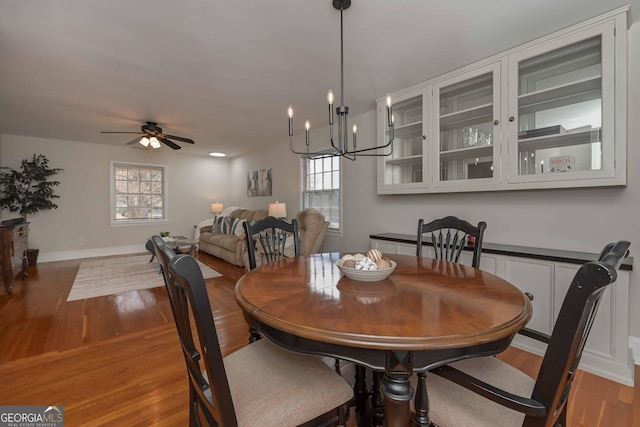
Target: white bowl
[367, 275]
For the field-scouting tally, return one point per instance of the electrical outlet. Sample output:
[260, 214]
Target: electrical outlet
[81, 241]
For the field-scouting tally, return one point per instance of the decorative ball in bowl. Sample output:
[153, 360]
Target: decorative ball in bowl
[372, 267]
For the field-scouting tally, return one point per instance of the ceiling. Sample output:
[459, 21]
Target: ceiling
[224, 72]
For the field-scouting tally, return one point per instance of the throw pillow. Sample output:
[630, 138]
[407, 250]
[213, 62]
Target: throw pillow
[217, 224]
[225, 227]
[237, 227]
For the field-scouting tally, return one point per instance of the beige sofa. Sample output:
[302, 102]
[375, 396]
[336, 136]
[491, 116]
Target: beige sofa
[312, 228]
[227, 246]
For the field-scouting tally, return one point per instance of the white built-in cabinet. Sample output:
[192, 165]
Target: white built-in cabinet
[607, 351]
[547, 114]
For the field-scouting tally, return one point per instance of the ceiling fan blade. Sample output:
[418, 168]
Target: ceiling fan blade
[137, 133]
[169, 143]
[133, 141]
[179, 138]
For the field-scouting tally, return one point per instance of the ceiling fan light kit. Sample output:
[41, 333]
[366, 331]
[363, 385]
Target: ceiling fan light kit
[342, 147]
[153, 136]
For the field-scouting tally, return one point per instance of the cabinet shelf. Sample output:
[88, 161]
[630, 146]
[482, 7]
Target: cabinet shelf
[410, 130]
[468, 117]
[560, 140]
[405, 161]
[466, 153]
[559, 96]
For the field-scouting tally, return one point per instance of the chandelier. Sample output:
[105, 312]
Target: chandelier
[342, 147]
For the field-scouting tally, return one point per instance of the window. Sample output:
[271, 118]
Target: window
[322, 188]
[138, 193]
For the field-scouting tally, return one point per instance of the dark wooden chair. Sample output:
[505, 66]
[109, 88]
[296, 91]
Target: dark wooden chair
[183, 326]
[260, 384]
[269, 238]
[271, 234]
[449, 236]
[494, 393]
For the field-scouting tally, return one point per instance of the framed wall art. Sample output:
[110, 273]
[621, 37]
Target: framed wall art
[259, 183]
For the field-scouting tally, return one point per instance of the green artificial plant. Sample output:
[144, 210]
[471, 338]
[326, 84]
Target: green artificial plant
[29, 189]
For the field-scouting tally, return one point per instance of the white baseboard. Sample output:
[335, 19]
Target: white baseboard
[90, 253]
[634, 345]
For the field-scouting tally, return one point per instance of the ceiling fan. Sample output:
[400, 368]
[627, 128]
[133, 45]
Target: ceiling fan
[152, 136]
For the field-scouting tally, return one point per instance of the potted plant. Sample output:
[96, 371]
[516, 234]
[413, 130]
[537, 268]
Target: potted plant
[29, 190]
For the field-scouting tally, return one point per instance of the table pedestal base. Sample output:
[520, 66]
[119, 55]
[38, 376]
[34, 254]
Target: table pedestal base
[396, 398]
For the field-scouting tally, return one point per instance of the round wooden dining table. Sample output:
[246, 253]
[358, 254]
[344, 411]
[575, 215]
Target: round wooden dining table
[427, 313]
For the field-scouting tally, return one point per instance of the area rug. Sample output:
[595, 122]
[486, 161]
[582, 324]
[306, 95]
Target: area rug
[108, 276]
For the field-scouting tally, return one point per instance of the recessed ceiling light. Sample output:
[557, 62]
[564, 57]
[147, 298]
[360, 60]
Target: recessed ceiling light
[217, 154]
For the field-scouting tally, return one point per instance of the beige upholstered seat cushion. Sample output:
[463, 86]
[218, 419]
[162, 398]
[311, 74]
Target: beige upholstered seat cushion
[453, 405]
[262, 375]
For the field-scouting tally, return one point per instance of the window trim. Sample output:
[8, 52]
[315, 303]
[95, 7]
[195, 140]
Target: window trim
[112, 196]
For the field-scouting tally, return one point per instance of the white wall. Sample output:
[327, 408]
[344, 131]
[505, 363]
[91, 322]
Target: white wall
[83, 213]
[571, 219]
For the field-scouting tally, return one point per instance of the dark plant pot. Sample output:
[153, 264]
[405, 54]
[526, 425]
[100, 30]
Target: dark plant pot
[32, 256]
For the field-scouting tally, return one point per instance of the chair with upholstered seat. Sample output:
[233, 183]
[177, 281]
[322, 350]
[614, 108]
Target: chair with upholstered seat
[449, 236]
[494, 393]
[272, 238]
[189, 350]
[260, 384]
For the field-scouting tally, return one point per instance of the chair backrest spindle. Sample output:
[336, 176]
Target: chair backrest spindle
[449, 237]
[273, 236]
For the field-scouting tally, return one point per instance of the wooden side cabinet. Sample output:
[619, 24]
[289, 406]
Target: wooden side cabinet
[13, 258]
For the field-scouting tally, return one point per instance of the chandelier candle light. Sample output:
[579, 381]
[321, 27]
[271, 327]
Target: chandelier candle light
[342, 148]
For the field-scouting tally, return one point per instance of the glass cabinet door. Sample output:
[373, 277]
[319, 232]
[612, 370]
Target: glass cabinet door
[404, 168]
[467, 128]
[559, 129]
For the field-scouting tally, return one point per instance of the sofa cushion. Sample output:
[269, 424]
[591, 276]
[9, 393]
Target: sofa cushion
[239, 212]
[250, 215]
[226, 241]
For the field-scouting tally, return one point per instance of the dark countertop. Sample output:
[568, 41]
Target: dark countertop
[555, 255]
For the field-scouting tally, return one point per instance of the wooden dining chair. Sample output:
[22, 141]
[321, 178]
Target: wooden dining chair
[449, 236]
[183, 326]
[493, 393]
[271, 237]
[260, 384]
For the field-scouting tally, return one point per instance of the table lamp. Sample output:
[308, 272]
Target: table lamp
[278, 210]
[217, 207]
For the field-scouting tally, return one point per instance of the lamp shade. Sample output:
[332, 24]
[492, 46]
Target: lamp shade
[217, 207]
[278, 210]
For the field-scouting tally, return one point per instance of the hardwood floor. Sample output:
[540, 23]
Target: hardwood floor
[116, 360]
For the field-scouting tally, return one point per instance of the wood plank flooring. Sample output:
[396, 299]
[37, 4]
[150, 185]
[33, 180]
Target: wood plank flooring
[116, 360]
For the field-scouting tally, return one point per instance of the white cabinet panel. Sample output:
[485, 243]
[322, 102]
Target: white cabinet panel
[536, 278]
[603, 330]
